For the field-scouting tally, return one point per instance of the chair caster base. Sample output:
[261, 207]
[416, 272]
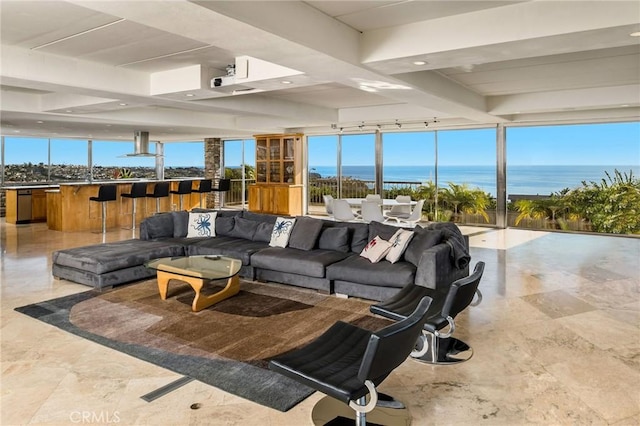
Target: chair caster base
[331, 412]
[450, 351]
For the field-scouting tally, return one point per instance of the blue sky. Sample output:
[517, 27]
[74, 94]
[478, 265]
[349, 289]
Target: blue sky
[601, 144]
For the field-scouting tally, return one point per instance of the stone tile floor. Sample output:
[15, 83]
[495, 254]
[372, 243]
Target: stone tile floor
[556, 341]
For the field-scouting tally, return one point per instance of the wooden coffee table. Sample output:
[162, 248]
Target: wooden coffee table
[196, 271]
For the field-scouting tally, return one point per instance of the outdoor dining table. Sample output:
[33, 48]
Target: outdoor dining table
[386, 203]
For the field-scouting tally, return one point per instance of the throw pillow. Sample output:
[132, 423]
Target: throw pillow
[224, 225]
[201, 225]
[422, 240]
[382, 230]
[244, 229]
[263, 232]
[335, 239]
[180, 223]
[399, 242]
[376, 249]
[281, 231]
[305, 233]
[159, 226]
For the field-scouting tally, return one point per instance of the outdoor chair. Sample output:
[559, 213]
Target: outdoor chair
[403, 210]
[435, 346]
[342, 211]
[348, 362]
[413, 218]
[328, 204]
[371, 211]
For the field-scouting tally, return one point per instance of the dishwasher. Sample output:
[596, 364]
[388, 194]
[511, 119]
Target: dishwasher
[24, 206]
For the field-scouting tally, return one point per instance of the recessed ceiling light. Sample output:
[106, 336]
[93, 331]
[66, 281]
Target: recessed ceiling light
[189, 95]
[624, 105]
[122, 104]
[635, 34]
[419, 63]
[285, 82]
[68, 110]
[39, 121]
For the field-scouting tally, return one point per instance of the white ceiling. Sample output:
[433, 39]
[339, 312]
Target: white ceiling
[104, 69]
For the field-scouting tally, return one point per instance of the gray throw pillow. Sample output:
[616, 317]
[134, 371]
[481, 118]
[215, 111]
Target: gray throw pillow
[259, 217]
[243, 228]
[224, 225]
[160, 226]
[305, 233]
[422, 240]
[335, 239]
[180, 224]
[380, 229]
[263, 232]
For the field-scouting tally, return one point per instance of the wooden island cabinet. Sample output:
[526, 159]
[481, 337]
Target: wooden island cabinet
[278, 188]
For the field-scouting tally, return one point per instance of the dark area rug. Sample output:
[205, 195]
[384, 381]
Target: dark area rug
[228, 345]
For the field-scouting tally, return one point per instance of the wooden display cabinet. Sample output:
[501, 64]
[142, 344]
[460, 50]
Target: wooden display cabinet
[278, 187]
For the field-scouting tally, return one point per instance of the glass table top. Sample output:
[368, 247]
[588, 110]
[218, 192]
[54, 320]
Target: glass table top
[208, 267]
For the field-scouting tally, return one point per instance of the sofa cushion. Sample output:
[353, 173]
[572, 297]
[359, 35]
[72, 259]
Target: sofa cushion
[336, 238]
[357, 269]
[227, 246]
[422, 240]
[302, 262]
[358, 233]
[180, 223]
[224, 224]
[158, 226]
[101, 258]
[243, 228]
[263, 232]
[380, 229]
[305, 233]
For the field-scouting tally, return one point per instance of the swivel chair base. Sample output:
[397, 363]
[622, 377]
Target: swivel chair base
[442, 350]
[331, 412]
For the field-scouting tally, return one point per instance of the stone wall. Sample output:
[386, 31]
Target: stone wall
[213, 155]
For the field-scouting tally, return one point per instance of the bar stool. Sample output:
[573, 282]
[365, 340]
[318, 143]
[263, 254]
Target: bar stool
[203, 188]
[224, 185]
[106, 193]
[138, 190]
[184, 187]
[161, 190]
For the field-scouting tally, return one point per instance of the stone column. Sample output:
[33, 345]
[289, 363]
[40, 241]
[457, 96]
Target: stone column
[213, 155]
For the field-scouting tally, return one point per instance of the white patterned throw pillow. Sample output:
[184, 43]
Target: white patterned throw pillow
[376, 249]
[281, 232]
[399, 242]
[201, 225]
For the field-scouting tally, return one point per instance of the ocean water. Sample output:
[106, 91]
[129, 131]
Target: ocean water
[526, 180]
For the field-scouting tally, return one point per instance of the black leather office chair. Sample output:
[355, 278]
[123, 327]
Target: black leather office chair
[106, 193]
[160, 190]
[184, 188]
[138, 190]
[204, 187]
[435, 346]
[347, 362]
[224, 185]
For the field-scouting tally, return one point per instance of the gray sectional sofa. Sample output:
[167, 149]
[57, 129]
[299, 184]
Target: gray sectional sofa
[321, 255]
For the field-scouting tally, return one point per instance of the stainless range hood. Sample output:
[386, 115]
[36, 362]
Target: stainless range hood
[141, 145]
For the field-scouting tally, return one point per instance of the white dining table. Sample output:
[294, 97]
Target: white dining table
[386, 203]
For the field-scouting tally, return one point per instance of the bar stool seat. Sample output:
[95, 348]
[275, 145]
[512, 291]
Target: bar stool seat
[106, 193]
[184, 188]
[161, 190]
[138, 190]
[224, 185]
[203, 188]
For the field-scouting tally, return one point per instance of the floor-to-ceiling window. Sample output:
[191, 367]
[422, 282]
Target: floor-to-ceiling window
[68, 158]
[183, 159]
[575, 177]
[239, 165]
[322, 154]
[467, 175]
[357, 165]
[26, 160]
